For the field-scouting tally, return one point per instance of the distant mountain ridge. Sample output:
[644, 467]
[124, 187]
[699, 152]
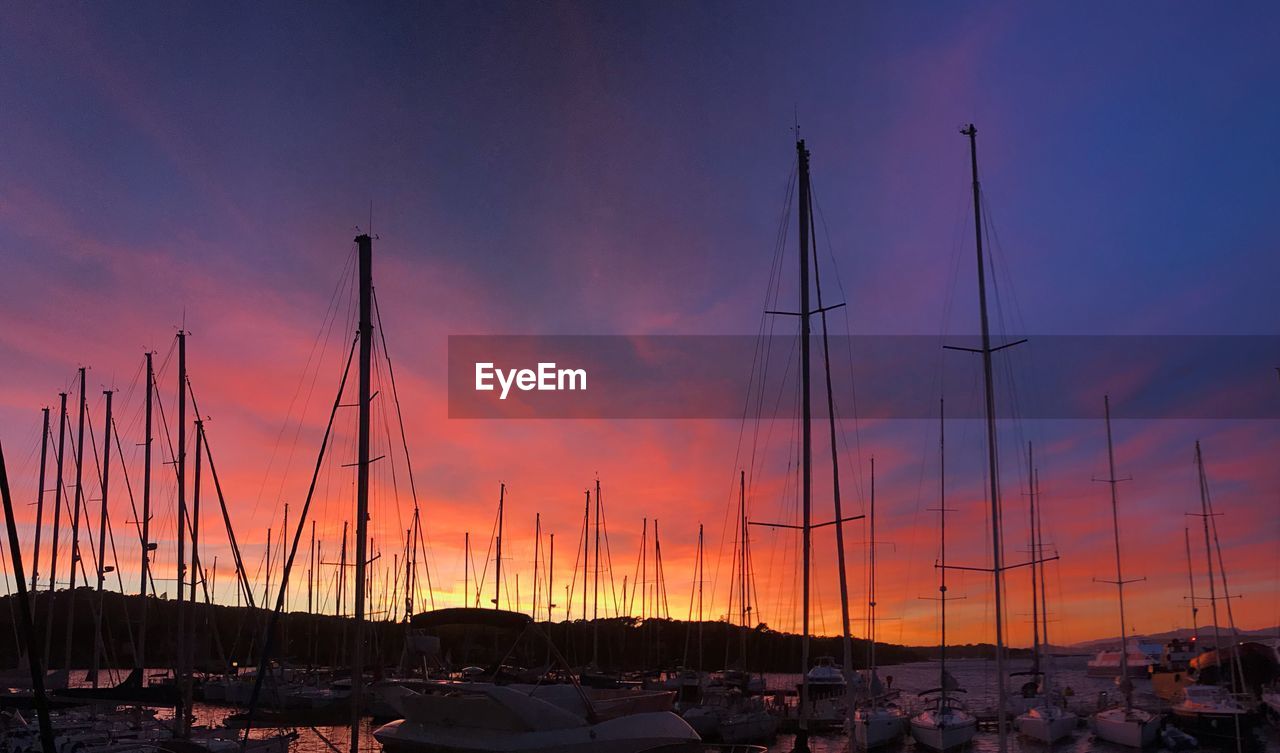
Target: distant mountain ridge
[1206, 633]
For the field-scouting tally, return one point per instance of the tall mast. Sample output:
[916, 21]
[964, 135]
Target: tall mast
[497, 560]
[1208, 550]
[942, 556]
[184, 711]
[1035, 566]
[551, 573]
[365, 244]
[140, 662]
[57, 520]
[537, 560]
[35, 547]
[871, 576]
[802, 737]
[997, 543]
[1191, 586]
[595, 587]
[846, 635]
[742, 564]
[75, 524]
[102, 543]
[1038, 555]
[195, 553]
[466, 570]
[1125, 686]
[700, 566]
[27, 627]
[551, 567]
[586, 549]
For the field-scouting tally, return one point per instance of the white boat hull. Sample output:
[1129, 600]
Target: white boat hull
[877, 727]
[942, 738]
[1048, 725]
[1134, 728]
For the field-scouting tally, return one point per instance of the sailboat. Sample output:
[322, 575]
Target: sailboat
[1046, 720]
[876, 722]
[944, 724]
[1215, 710]
[1123, 724]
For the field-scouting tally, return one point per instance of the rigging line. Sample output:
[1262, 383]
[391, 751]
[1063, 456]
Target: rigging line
[772, 291]
[322, 338]
[274, 618]
[115, 429]
[395, 395]
[222, 504]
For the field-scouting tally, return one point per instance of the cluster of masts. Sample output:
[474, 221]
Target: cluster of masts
[191, 577]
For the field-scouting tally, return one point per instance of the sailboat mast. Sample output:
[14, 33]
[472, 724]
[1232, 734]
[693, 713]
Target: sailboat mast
[1039, 553]
[846, 635]
[1208, 550]
[26, 626]
[497, 576]
[742, 563]
[871, 571]
[35, 547]
[997, 543]
[195, 548]
[802, 737]
[365, 246]
[75, 524]
[595, 587]
[57, 519]
[1115, 524]
[942, 556]
[140, 662]
[102, 542]
[1191, 587]
[586, 549]
[466, 569]
[184, 710]
[700, 567]
[1035, 566]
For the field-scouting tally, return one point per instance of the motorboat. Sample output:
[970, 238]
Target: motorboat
[1107, 663]
[465, 717]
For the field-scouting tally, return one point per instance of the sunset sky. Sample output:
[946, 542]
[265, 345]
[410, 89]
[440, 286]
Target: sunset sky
[591, 168]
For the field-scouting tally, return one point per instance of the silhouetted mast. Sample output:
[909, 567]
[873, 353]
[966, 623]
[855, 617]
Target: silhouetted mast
[102, 543]
[147, 546]
[35, 547]
[497, 560]
[802, 737]
[997, 542]
[184, 685]
[1125, 685]
[365, 244]
[27, 627]
[75, 523]
[57, 520]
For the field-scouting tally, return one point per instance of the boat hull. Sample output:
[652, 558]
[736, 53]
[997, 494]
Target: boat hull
[877, 728]
[1134, 729]
[1224, 725]
[950, 737]
[1047, 726]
